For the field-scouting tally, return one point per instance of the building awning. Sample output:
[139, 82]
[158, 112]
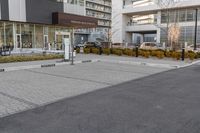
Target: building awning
[72, 20]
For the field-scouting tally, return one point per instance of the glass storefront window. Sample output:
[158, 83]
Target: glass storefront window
[51, 36]
[45, 30]
[23, 35]
[1, 34]
[27, 35]
[18, 28]
[9, 34]
[39, 39]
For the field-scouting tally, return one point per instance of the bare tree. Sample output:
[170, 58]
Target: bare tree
[173, 35]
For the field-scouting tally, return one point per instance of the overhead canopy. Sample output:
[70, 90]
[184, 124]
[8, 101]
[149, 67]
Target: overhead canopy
[75, 21]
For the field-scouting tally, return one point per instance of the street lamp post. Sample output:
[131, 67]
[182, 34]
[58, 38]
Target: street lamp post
[72, 44]
[196, 23]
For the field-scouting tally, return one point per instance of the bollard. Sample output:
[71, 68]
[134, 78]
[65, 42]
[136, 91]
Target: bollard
[100, 50]
[136, 51]
[183, 54]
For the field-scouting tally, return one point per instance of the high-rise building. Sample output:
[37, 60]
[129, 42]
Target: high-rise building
[137, 21]
[101, 10]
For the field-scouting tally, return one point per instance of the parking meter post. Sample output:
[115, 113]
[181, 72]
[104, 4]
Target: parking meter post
[183, 54]
[136, 51]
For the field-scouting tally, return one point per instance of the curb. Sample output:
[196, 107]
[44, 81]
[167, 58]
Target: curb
[142, 64]
[9, 69]
[193, 63]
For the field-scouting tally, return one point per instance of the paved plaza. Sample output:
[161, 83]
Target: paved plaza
[30, 88]
[166, 102]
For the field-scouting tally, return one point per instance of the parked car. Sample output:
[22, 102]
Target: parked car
[150, 46]
[191, 48]
[79, 45]
[92, 44]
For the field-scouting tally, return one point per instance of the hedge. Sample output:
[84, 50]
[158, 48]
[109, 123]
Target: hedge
[144, 53]
[9, 59]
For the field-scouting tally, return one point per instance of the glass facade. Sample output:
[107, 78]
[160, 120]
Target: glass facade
[186, 19]
[182, 15]
[25, 35]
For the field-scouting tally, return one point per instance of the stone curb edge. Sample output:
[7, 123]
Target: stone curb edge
[96, 60]
[142, 64]
[8, 69]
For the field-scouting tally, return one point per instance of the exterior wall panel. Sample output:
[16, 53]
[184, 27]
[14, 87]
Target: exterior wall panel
[17, 10]
[40, 11]
[4, 10]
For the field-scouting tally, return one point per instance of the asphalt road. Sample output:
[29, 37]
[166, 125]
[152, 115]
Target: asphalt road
[168, 102]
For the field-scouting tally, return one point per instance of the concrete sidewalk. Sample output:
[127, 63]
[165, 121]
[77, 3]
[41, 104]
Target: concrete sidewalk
[104, 58]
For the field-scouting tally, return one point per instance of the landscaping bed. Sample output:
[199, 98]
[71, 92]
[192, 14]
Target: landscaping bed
[24, 58]
[160, 54]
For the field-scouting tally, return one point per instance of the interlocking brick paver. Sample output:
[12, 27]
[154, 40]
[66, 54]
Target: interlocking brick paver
[25, 89]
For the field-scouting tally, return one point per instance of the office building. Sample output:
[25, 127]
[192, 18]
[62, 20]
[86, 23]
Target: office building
[137, 21]
[101, 10]
[32, 24]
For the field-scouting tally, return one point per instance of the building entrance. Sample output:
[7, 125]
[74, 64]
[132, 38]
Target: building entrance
[59, 39]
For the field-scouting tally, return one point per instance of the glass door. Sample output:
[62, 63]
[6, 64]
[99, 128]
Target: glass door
[46, 41]
[59, 40]
[18, 40]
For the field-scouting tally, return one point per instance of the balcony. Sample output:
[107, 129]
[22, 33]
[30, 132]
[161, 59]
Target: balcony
[99, 9]
[146, 8]
[74, 9]
[100, 2]
[141, 28]
[151, 6]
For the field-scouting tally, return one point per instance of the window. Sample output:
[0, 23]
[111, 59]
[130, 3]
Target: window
[190, 15]
[9, 33]
[1, 34]
[164, 17]
[182, 15]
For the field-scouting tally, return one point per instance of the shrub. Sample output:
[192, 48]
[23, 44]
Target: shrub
[86, 50]
[106, 51]
[128, 52]
[153, 53]
[8, 59]
[77, 50]
[176, 55]
[160, 54]
[118, 52]
[168, 53]
[186, 55]
[191, 55]
[144, 53]
[197, 55]
[95, 50]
